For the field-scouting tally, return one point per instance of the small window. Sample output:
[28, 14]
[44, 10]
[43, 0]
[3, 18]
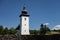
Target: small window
[25, 24]
[25, 18]
[24, 30]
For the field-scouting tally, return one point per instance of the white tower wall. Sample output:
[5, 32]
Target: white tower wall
[24, 25]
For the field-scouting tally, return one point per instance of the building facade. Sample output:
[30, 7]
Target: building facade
[24, 22]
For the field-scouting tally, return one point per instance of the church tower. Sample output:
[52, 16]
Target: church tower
[24, 22]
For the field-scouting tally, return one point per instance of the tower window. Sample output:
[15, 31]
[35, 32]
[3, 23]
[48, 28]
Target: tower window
[25, 24]
[25, 18]
[25, 30]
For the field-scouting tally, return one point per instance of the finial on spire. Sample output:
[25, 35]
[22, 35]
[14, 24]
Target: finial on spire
[24, 8]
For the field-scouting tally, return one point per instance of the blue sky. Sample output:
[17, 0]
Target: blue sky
[40, 11]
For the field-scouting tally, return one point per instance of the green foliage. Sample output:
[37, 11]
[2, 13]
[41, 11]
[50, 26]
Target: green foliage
[5, 31]
[12, 31]
[44, 29]
[56, 30]
[34, 32]
[59, 31]
[1, 29]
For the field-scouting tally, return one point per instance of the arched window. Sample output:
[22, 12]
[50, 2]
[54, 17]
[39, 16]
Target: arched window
[25, 18]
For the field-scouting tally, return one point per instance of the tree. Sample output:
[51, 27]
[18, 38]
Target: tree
[34, 32]
[5, 31]
[1, 29]
[44, 29]
[12, 31]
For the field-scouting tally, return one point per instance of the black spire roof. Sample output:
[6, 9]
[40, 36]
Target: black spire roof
[18, 27]
[24, 12]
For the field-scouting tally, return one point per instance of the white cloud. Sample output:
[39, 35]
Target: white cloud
[46, 23]
[57, 27]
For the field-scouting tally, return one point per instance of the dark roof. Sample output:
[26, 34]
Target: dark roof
[18, 27]
[23, 15]
[24, 12]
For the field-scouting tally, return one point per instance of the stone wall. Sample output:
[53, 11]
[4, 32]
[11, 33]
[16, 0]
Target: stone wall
[30, 37]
